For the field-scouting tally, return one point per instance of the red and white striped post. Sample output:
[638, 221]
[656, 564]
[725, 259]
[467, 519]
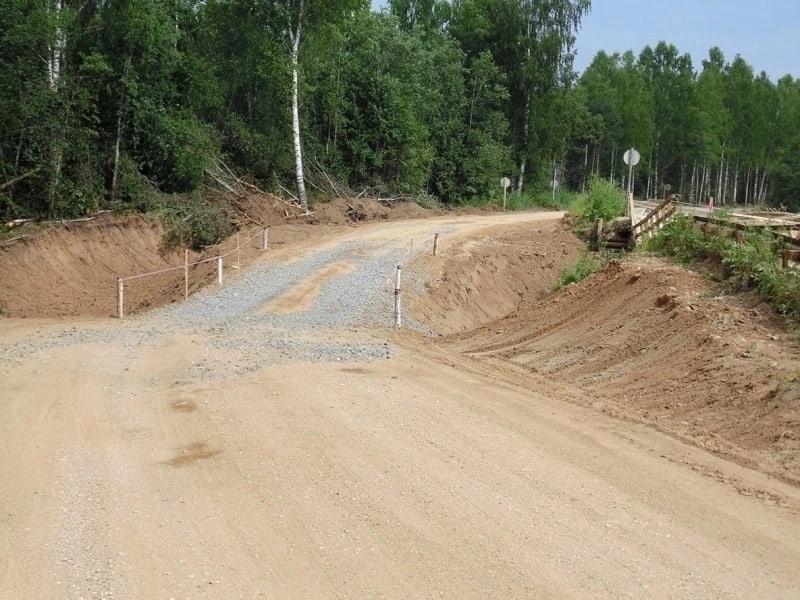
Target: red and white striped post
[120, 296]
[398, 318]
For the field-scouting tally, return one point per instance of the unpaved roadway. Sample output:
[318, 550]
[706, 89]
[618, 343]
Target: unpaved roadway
[163, 468]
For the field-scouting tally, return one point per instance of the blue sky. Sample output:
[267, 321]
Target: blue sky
[765, 33]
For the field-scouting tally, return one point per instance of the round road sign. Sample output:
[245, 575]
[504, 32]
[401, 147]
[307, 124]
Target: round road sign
[631, 157]
[505, 182]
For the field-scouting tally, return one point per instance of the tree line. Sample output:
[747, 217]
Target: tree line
[103, 100]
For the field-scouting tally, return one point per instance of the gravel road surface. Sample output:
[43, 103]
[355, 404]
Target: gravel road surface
[277, 438]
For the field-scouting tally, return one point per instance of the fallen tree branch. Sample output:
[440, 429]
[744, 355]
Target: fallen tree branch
[17, 179]
[12, 240]
[18, 222]
[220, 181]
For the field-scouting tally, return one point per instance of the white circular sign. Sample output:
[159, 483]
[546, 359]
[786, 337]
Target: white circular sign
[554, 184]
[505, 182]
[631, 157]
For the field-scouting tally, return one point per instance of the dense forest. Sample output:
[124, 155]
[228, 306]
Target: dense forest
[102, 101]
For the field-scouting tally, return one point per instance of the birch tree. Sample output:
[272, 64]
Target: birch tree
[306, 17]
[532, 42]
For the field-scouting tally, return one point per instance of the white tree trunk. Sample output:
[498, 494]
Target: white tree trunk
[525, 132]
[585, 167]
[736, 182]
[55, 64]
[747, 188]
[294, 37]
[703, 177]
[115, 172]
[755, 187]
[613, 163]
[762, 190]
[725, 180]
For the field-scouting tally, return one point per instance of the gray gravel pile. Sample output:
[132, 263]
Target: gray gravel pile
[229, 315]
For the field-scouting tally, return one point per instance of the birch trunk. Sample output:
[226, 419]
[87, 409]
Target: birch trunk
[294, 38]
[725, 180]
[755, 187]
[655, 171]
[55, 63]
[736, 183]
[762, 190]
[719, 176]
[55, 66]
[693, 183]
[747, 187]
[703, 176]
[585, 167]
[613, 162]
[115, 171]
[527, 121]
[525, 131]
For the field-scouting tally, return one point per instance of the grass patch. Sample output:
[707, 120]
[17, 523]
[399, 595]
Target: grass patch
[526, 201]
[582, 268]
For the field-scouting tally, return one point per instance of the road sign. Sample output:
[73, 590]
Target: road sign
[505, 183]
[631, 157]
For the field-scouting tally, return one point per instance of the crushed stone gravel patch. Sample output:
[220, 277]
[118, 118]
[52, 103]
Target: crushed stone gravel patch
[362, 298]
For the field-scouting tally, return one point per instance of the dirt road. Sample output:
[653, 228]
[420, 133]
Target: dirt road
[162, 467]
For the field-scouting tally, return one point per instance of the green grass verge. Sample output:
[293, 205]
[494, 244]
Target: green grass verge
[587, 264]
[754, 263]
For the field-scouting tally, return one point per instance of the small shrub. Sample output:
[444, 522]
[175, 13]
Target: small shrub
[196, 222]
[748, 262]
[427, 201]
[604, 201]
[577, 206]
[581, 269]
[681, 239]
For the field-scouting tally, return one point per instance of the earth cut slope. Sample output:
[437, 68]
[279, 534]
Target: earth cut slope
[644, 340]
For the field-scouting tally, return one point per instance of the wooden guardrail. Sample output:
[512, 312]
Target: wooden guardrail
[652, 221]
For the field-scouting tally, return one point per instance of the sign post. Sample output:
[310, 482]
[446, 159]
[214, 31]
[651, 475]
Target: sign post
[631, 158]
[505, 182]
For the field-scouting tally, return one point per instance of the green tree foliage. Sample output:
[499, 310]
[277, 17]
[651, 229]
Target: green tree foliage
[101, 102]
[531, 42]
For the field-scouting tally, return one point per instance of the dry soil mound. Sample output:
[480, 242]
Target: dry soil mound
[71, 269]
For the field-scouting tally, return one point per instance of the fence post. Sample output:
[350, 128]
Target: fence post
[185, 275]
[219, 270]
[120, 296]
[435, 243]
[264, 239]
[398, 319]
